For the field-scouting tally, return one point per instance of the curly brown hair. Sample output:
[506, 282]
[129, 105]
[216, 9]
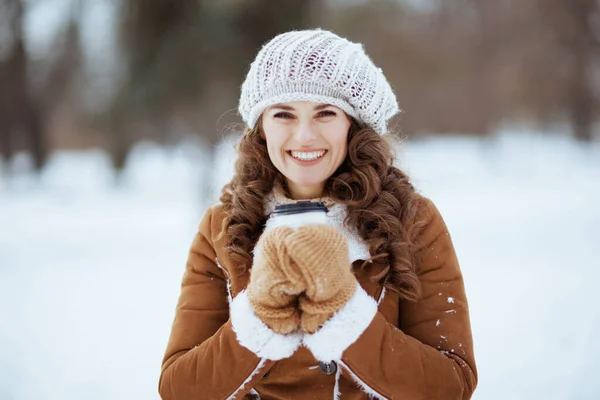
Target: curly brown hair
[381, 202]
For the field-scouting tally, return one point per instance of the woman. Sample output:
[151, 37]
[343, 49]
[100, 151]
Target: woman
[371, 305]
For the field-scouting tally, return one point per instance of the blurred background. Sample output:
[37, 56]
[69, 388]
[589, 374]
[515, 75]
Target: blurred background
[117, 126]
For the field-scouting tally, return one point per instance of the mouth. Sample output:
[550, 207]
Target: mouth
[307, 155]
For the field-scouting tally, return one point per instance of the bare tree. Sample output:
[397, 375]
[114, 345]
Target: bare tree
[185, 62]
[20, 116]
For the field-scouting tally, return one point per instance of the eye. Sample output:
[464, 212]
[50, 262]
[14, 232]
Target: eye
[327, 113]
[283, 115]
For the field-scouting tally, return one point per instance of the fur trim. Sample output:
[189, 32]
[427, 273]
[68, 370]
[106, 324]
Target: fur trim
[364, 387]
[228, 281]
[357, 248]
[381, 296]
[254, 335]
[255, 395]
[260, 365]
[336, 387]
[344, 328]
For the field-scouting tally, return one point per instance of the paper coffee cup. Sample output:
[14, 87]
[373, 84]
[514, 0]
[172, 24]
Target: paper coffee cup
[297, 214]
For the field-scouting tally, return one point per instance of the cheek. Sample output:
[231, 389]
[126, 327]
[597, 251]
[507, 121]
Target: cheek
[274, 148]
[340, 144]
[273, 138]
[274, 154]
[343, 151]
[339, 137]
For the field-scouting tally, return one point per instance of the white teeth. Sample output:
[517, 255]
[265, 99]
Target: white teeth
[307, 156]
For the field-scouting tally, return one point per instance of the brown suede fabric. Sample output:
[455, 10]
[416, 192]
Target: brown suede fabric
[410, 351]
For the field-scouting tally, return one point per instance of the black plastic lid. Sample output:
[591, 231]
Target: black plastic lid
[299, 207]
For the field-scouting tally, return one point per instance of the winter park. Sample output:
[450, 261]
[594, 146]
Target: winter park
[118, 122]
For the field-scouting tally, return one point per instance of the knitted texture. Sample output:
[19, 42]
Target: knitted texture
[318, 66]
[321, 254]
[275, 283]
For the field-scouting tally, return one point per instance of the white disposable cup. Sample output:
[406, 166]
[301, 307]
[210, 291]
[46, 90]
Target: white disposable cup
[298, 214]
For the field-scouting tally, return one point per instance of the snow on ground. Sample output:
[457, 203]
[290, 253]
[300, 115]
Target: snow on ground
[90, 270]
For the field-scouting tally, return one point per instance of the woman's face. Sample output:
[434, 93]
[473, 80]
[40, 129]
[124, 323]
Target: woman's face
[306, 142]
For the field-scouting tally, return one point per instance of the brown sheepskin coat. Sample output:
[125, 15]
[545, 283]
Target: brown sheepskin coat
[379, 347]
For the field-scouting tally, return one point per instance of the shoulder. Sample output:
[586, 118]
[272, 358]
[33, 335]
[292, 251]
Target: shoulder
[429, 223]
[211, 224]
[426, 208]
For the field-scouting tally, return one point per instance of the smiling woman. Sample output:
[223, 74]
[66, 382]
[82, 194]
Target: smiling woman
[355, 307]
[306, 142]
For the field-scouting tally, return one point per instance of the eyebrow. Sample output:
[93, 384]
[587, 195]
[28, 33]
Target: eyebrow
[288, 108]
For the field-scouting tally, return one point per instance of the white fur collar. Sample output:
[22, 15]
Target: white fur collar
[357, 248]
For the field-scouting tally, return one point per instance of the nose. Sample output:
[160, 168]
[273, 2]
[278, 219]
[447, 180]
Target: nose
[306, 132]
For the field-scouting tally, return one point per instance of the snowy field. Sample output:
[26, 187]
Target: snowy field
[90, 269]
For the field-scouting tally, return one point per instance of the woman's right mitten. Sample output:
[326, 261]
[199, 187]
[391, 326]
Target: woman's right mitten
[275, 283]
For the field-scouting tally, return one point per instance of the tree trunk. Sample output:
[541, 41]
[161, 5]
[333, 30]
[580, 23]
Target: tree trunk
[581, 102]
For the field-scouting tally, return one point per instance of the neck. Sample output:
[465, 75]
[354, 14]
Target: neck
[304, 192]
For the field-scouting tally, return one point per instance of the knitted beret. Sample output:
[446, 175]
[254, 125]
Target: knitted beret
[318, 66]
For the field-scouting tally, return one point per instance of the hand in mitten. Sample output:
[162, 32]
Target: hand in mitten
[275, 283]
[321, 254]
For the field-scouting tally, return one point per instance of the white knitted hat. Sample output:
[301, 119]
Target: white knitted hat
[319, 66]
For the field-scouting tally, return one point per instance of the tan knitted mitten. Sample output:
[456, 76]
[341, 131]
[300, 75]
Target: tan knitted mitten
[321, 254]
[275, 283]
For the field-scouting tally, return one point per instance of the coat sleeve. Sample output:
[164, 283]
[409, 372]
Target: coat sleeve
[218, 348]
[430, 355]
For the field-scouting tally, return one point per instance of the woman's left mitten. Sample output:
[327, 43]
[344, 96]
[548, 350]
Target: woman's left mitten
[321, 255]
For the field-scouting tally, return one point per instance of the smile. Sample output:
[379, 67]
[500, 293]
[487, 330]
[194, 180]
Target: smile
[307, 155]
